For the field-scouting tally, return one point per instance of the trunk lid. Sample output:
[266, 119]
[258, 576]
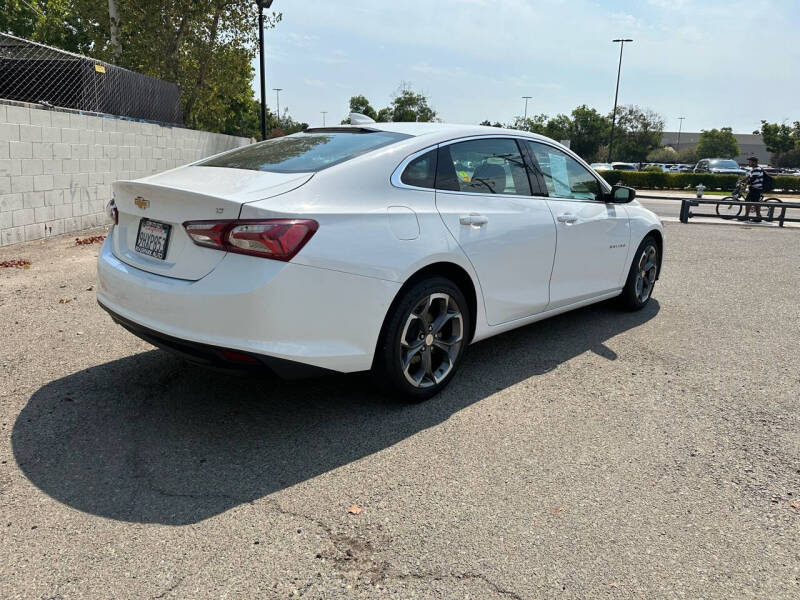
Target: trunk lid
[188, 194]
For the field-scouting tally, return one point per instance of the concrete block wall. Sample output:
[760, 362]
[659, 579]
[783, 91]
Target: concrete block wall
[56, 168]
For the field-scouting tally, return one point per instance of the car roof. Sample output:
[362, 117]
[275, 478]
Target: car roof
[446, 130]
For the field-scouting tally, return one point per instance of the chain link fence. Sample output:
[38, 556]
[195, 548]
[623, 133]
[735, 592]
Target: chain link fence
[32, 72]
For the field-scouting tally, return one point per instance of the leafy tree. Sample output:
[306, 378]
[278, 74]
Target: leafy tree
[588, 132]
[779, 137]
[205, 46]
[717, 143]
[638, 131]
[783, 141]
[488, 123]
[384, 115]
[687, 155]
[360, 104]
[409, 106]
[662, 155]
[534, 124]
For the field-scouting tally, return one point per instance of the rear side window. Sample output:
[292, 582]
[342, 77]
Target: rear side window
[421, 172]
[485, 166]
[304, 152]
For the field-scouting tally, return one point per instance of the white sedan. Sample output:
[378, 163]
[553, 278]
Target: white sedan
[379, 246]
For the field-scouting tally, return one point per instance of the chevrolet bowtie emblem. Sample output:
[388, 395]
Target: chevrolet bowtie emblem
[142, 203]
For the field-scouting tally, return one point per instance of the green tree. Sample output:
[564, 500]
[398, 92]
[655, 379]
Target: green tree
[662, 155]
[589, 131]
[409, 106]
[717, 143]
[779, 137]
[687, 155]
[205, 46]
[534, 124]
[360, 104]
[638, 131]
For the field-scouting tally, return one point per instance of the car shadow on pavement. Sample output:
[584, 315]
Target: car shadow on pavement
[150, 439]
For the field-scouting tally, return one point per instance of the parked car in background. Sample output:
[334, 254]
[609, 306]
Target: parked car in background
[602, 166]
[718, 165]
[621, 166]
[377, 246]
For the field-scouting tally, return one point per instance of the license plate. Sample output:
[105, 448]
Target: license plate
[153, 238]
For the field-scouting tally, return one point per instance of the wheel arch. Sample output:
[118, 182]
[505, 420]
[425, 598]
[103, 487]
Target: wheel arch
[659, 238]
[450, 270]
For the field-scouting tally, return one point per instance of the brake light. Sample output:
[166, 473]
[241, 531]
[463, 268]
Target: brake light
[112, 212]
[279, 239]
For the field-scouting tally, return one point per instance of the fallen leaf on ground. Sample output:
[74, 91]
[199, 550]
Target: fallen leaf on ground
[795, 504]
[64, 300]
[89, 240]
[17, 263]
[354, 509]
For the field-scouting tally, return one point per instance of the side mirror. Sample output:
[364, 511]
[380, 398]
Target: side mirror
[621, 194]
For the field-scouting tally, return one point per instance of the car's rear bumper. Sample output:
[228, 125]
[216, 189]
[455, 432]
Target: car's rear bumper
[268, 309]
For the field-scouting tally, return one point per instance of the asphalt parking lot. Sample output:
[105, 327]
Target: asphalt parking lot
[597, 454]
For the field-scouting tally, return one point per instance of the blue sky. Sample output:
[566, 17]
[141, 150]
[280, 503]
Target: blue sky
[719, 63]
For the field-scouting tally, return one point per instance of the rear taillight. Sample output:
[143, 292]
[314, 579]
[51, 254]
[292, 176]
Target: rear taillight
[112, 212]
[279, 239]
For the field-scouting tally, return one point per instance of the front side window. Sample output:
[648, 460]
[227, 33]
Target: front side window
[305, 152]
[485, 166]
[564, 176]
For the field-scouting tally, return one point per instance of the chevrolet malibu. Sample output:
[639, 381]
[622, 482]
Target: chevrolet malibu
[376, 246]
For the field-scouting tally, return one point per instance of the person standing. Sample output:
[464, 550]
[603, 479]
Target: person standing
[755, 191]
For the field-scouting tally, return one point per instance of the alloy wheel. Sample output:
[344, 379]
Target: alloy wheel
[431, 340]
[646, 273]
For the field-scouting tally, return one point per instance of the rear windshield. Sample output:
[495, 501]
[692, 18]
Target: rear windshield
[724, 164]
[304, 152]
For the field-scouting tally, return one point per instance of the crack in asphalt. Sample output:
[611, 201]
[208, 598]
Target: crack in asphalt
[381, 571]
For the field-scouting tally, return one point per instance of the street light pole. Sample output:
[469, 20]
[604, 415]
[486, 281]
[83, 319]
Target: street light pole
[262, 4]
[278, 101]
[526, 98]
[324, 112]
[680, 127]
[621, 42]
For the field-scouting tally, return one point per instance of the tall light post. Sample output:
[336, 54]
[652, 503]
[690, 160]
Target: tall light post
[526, 98]
[621, 42]
[278, 101]
[324, 112]
[680, 127]
[262, 4]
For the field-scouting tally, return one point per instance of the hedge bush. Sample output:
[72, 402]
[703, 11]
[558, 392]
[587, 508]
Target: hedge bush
[680, 181]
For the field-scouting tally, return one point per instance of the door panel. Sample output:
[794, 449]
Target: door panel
[508, 236]
[591, 249]
[592, 235]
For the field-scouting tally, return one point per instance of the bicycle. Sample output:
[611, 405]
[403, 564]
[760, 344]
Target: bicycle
[731, 211]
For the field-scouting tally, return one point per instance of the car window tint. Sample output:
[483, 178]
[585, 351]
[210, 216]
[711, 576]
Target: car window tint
[564, 176]
[304, 152]
[421, 172]
[486, 166]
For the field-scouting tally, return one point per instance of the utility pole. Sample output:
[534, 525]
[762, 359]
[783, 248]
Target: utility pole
[680, 127]
[526, 98]
[278, 101]
[324, 112]
[262, 4]
[621, 42]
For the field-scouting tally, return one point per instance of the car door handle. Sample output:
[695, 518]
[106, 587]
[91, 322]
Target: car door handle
[566, 218]
[473, 219]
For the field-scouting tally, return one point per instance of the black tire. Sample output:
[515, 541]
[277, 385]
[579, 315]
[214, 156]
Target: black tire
[642, 275]
[402, 356]
[776, 213]
[729, 211]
